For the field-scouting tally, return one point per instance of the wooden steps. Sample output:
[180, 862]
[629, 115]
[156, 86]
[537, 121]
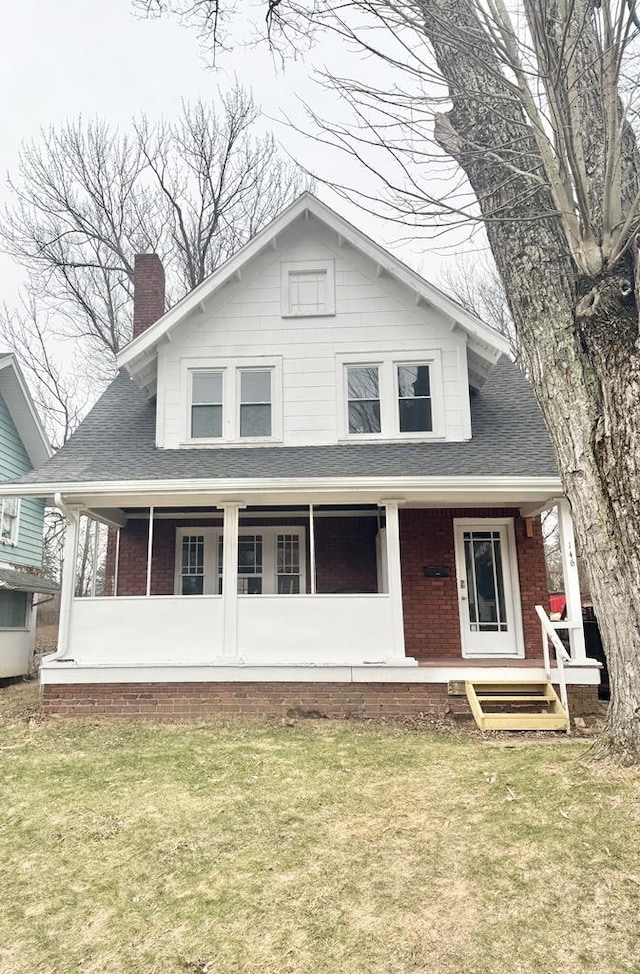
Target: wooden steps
[516, 705]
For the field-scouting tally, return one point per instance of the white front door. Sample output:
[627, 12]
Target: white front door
[488, 589]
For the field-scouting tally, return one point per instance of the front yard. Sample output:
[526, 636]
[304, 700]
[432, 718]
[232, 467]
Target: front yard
[317, 848]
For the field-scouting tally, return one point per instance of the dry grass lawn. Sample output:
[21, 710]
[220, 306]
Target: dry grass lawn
[319, 848]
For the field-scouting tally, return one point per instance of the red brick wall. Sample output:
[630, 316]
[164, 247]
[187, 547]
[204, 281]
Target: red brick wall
[178, 700]
[431, 620]
[345, 553]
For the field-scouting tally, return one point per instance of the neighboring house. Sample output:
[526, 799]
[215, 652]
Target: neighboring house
[322, 477]
[23, 446]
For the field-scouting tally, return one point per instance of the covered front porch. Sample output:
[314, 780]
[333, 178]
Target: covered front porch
[408, 589]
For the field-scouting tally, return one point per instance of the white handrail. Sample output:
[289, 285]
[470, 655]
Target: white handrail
[549, 635]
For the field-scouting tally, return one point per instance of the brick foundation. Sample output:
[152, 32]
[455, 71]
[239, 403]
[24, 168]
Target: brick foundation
[165, 701]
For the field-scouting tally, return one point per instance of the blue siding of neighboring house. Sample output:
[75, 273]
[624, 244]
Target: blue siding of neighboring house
[13, 463]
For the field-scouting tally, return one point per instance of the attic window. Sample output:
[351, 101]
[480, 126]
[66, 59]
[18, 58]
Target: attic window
[308, 289]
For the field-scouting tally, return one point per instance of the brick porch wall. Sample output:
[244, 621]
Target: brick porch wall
[431, 619]
[345, 553]
[166, 701]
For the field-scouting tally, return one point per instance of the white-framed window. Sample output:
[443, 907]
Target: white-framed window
[271, 561]
[191, 555]
[363, 399]
[206, 404]
[415, 413]
[396, 397]
[308, 288]
[255, 402]
[229, 401]
[9, 519]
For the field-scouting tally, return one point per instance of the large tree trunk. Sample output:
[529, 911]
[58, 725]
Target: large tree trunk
[579, 338]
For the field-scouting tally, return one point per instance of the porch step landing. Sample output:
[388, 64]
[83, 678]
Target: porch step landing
[516, 705]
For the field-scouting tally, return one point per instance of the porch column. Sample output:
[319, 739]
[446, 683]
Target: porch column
[394, 572]
[67, 588]
[231, 513]
[571, 582]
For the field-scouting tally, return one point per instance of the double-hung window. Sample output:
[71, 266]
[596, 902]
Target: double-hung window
[206, 404]
[234, 401]
[363, 395]
[395, 397]
[255, 402]
[9, 520]
[414, 399]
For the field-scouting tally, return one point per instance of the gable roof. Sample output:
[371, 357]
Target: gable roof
[116, 443]
[22, 410]
[485, 344]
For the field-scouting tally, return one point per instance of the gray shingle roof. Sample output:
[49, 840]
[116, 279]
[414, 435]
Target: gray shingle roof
[26, 582]
[116, 442]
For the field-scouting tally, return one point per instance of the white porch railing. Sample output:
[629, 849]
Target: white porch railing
[160, 629]
[178, 630]
[550, 635]
[315, 629]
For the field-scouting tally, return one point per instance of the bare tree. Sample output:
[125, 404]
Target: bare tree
[475, 283]
[87, 198]
[60, 393]
[536, 103]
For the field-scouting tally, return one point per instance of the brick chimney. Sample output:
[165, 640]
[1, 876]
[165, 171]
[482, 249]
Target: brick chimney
[148, 291]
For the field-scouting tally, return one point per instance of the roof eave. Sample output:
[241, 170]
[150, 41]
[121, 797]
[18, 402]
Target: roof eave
[487, 342]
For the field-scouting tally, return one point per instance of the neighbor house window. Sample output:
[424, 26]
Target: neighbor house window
[363, 397]
[255, 402]
[206, 404]
[9, 522]
[13, 609]
[192, 565]
[414, 399]
[308, 289]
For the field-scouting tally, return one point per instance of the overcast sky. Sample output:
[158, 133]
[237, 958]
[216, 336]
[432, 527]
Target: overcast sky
[63, 58]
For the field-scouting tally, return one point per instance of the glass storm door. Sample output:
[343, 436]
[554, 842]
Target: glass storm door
[489, 621]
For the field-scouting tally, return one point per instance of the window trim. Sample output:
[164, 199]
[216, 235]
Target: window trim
[308, 266]
[239, 404]
[348, 400]
[231, 369]
[269, 533]
[12, 541]
[192, 404]
[387, 364]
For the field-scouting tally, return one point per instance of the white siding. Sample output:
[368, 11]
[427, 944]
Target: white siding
[373, 315]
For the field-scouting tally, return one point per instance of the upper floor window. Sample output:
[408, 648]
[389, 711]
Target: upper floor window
[394, 397]
[233, 401]
[9, 520]
[206, 404]
[255, 402]
[308, 288]
[363, 396]
[414, 399]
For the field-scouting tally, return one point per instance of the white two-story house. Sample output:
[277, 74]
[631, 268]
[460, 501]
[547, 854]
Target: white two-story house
[321, 479]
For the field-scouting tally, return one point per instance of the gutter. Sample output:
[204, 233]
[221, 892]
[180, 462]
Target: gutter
[545, 485]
